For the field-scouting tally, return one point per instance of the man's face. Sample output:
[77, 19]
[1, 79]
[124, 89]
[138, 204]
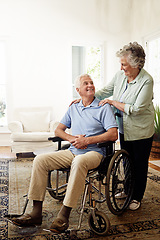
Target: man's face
[86, 88]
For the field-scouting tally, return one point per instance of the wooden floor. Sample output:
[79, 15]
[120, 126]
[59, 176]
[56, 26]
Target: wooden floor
[5, 152]
[155, 164]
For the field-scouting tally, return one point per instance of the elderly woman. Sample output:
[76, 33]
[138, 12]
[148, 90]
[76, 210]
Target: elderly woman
[132, 93]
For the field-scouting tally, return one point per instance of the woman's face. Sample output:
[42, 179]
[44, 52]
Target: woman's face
[126, 67]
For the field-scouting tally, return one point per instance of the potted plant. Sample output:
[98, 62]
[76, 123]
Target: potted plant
[155, 151]
[2, 108]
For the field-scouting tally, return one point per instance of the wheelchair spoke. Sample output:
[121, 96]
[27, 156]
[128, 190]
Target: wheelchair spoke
[57, 184]
[100, 225]
[119, 180]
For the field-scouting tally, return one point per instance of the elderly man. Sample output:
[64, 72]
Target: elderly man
[90, 124]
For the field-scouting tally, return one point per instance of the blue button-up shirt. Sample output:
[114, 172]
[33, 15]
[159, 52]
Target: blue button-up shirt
[92, 120]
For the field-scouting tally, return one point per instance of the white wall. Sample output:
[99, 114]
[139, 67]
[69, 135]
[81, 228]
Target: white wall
[145, 19]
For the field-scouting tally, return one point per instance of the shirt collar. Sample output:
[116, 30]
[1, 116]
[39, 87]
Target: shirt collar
[93, 104]
[138, 77]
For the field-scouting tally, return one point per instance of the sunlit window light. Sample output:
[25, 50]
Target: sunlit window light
[3, 115]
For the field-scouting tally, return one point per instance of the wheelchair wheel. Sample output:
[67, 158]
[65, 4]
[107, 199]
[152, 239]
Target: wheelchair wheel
[119, 180]
[57, 183]
[101, 225]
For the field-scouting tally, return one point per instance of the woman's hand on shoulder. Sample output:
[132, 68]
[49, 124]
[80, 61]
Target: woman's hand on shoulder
[75, 101]
[104, 101]
[118, 105]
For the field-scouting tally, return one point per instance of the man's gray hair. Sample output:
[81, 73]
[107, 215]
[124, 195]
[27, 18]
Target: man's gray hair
[78, 80]
[135, 54]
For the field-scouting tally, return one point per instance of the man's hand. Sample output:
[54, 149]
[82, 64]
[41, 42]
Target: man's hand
[79, 142]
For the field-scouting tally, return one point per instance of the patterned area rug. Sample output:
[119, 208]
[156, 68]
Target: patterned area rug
[14, 182]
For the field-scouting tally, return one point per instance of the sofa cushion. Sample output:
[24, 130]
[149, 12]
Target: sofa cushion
[31, 137]
[35, 121]
[15, 126]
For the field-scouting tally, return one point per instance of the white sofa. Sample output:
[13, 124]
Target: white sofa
[31, 129]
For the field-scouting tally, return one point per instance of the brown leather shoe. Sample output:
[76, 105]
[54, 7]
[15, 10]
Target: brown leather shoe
[58, 226]
[26, 220]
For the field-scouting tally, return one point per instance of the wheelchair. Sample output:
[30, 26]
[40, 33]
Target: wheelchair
[114, 176]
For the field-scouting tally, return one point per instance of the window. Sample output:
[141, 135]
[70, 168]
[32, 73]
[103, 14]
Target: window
[3, 117]
[153, 65]
[87, 59]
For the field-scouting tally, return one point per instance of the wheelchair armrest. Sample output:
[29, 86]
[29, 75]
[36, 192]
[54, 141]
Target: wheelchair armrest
[59, 140]
[55, 139]
[105, 144]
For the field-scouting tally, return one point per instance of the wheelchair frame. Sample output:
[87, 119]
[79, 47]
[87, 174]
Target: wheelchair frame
[115, 173]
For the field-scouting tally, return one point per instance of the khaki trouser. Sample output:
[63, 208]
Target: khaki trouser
[80, 164]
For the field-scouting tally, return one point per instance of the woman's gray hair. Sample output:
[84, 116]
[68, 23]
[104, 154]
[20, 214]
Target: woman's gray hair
[78, 80]
[135, 54]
